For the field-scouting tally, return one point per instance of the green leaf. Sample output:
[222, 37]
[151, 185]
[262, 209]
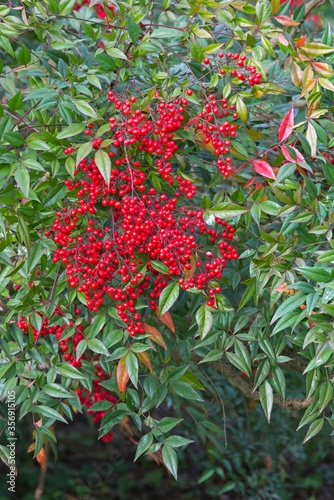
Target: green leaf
[263, 10]
[65, 7]
[167, 33]
[168, 297]
[312, 381]
[70, 371]
[16, 102]
[169, 457]
[291, 319]
[116, 53]
[133, 29]
[314, 429]
[268, 46]
[99, 320]
[279, 381]
[14, 139]
[177, 441]
[112, 418]
[143, 445]
[166, 424]
[103, 163]
[81, 347]
[185, 391]
[316, 49]
[94, 80]
[131, 364]
[204, 320]
[24, 232]
[327, 256]
[72, 130]
[227, 210]
[242, 352]
[324, 352]
[4, 454]
[249, 294]
[270, 207]
[159, 266]
[84, 108]
[327, 37]
[96, 345]
[242, 110]
[325, 395]
[5, 44]
[23, 179]
[50, 413]
[290, 304]
[83, 151]
[101, 406]
[56, 391]
[70, 165]
[316, 274]
[55, 194]
[262, 372]
[266, 398]
[240, 362]
[24, 56]
[213, 355]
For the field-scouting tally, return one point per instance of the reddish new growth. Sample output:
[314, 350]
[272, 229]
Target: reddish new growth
[98, 393]
[329, 155]
[125, 239]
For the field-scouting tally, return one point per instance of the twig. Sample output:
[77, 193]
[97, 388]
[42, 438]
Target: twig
[234, 376]
[41, 480]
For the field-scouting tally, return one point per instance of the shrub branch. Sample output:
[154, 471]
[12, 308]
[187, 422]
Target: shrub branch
[235, 377]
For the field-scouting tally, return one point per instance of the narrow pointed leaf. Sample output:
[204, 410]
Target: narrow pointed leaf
[266, 398]
[169, 457]
[155, 335]
[168, 297]
[122, 375]
[263, 168]
[286, 126]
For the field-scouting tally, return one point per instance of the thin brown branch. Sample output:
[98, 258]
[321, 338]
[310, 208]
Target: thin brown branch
[41, 480]
[235, 377]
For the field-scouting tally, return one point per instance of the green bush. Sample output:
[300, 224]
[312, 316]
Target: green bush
[166, 214]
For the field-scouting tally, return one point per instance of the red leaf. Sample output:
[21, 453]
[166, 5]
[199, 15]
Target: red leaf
[286, 126]
[41, 459]
[122, 375]
[263, 168]
[155, 335]
[288, 157]
[286, 21]
[301, 41]
[144, 358]
[166, 319]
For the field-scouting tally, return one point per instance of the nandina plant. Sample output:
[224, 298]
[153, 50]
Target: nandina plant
[166, 213]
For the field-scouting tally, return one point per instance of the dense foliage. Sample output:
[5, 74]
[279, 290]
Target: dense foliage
[166, 213]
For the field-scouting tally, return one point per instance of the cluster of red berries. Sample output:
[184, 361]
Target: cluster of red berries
[218, 133]
[125, 239]
[68, 344]
[98, 393]
[253, 79]
[99, 10]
